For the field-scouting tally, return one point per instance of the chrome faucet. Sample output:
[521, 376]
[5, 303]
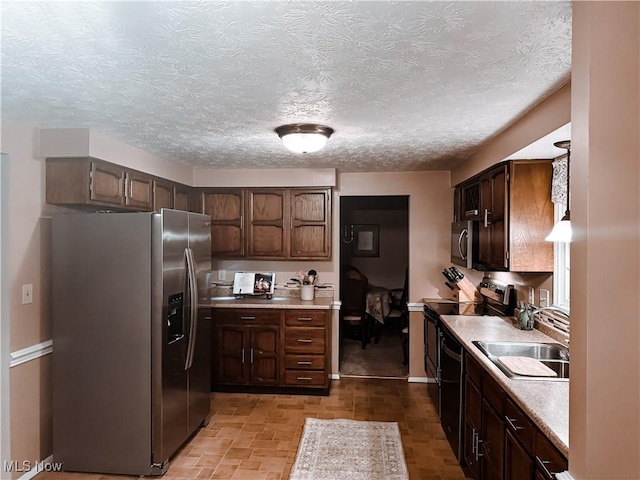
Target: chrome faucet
[562, 311]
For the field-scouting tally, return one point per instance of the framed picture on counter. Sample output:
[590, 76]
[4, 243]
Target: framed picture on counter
[365, 241]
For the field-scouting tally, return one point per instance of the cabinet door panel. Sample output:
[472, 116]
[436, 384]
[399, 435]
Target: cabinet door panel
[107, 183]
[493, 236]
[310, 223]
[181, 199]
[518, 464]
[139, 190]
[492, 443]
[231, 354]
[264, 355]
[472, 422]
[267, 241]
[226, 210]
[162, 195]
[266, 235]
[469, 446]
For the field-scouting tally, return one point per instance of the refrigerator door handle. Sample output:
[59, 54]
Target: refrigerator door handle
[193, 306]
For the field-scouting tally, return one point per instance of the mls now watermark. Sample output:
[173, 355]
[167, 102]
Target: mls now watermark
[29, 466]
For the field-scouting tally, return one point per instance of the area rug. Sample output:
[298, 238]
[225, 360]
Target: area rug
[349, 450]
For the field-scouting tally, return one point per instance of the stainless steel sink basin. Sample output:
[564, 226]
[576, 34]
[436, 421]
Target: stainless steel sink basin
[552, 355]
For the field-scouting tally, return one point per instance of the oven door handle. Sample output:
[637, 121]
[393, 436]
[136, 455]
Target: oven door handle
[450, 353]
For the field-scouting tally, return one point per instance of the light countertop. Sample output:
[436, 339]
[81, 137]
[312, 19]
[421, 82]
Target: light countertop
[288, 302]
[545, 401]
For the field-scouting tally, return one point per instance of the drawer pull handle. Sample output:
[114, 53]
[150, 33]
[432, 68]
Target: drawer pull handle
[247, 318]
[305, 378]
[542, 464]
[511, 423]
[304, 340]
[305, 319]
[304, 363]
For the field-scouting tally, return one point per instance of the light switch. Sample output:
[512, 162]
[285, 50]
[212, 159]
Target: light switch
[27, 293]
[222, 274]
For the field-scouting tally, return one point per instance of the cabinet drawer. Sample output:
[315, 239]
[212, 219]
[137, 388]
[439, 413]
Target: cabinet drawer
[548, 458]
[305, 362]
[248, 316]
[305, 317]
[474, 371]
[305, 377]
[519, 424]
[304, 340]
[493, 393]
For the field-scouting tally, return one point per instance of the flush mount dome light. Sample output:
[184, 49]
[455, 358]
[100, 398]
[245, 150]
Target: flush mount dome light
[304, 137]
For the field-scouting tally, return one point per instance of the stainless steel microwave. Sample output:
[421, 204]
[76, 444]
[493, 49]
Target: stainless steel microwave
[464, 241]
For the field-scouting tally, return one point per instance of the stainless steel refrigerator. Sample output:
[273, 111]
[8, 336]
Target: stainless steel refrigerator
[131, 350]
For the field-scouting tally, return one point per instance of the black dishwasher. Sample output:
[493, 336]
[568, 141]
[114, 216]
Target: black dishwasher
[451, 388]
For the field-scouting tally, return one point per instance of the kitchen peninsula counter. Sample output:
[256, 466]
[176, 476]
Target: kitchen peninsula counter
[546, 402]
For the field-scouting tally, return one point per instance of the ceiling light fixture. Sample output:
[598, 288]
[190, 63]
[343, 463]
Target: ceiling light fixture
[561, 231]
[304, 137]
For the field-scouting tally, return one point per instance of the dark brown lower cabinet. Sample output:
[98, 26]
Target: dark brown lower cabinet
[472, 423]
[248, 354]
[247, 343]
[492, 434]
[276, 348]
[500, 441]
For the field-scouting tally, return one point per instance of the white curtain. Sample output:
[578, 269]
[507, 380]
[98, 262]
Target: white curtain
[559, 182]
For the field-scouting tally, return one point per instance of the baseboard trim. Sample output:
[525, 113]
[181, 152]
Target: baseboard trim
[335, 376]
[420, 380]
[415, 307]
[564, 476]
[31, 353]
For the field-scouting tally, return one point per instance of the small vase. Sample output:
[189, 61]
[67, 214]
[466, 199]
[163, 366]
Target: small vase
[306, 292]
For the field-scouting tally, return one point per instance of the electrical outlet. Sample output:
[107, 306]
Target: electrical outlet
[222, 274]
[544, 298]
[27, 293]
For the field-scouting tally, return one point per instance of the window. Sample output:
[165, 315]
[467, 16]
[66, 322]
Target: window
[562, 266]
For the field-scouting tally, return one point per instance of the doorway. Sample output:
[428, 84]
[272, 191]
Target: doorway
[374, 239]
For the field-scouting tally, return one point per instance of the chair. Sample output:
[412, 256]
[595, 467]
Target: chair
[399, 313]
[354, 304]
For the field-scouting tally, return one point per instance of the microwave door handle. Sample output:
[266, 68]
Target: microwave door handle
[193, 306]
[461, 238]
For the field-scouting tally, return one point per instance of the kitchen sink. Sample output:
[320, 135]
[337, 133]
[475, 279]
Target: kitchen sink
[551, 355]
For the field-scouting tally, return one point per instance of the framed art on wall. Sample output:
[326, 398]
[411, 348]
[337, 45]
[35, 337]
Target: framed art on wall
[365, 241]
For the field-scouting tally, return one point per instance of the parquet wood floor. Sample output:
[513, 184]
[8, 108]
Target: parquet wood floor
[255, 437]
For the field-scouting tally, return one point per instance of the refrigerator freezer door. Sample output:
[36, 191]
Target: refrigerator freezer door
[200, 365]
[170, 394]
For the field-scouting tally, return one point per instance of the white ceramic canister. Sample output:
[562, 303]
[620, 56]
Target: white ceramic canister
[306, 292]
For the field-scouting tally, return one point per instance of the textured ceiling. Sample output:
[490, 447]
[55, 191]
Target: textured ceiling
[406, 85]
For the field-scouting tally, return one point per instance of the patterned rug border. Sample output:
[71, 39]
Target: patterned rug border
[323, 453]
